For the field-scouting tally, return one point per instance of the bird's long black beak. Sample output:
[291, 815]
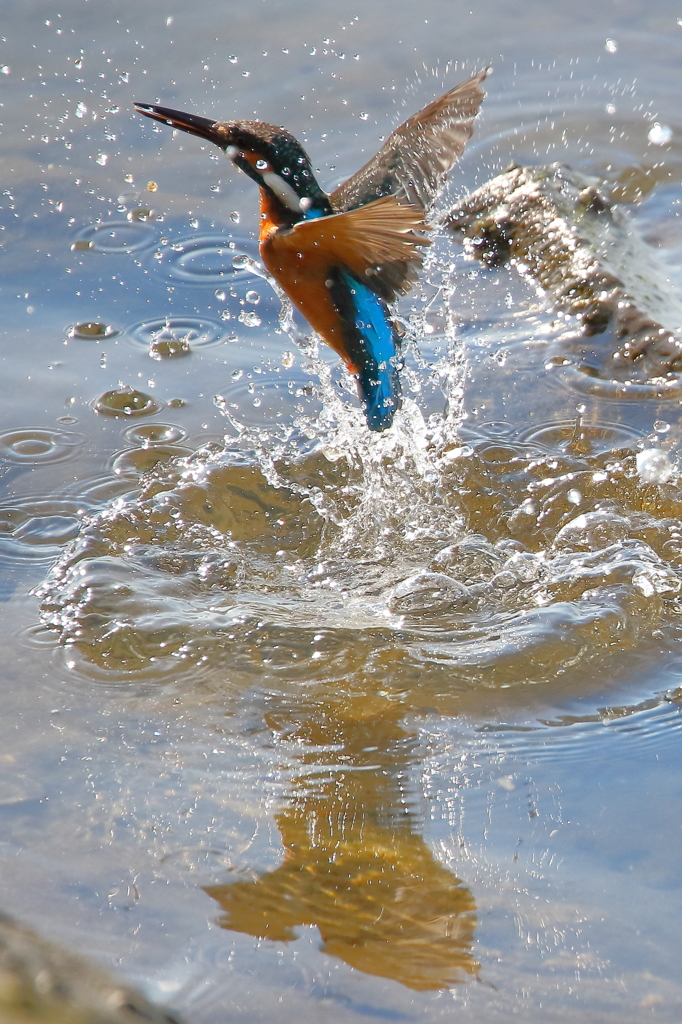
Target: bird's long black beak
[192, 123]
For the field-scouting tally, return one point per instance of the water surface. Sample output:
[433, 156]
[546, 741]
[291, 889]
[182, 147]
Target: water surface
[299, 720]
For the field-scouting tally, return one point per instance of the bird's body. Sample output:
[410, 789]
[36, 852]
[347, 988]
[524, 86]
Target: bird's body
[342, 257]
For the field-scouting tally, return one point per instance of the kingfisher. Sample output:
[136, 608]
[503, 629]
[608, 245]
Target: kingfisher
[343, 257]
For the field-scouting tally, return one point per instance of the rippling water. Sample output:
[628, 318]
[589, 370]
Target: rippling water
[302, 720]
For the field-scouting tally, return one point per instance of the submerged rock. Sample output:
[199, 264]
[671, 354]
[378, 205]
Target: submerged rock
[584, 252]
[41, 982]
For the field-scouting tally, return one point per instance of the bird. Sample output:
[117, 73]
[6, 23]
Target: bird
[344, 257]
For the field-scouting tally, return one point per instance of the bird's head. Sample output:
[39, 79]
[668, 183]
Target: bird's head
[271, 156]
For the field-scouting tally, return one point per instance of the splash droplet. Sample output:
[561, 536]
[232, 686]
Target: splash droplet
[126, 402]
[249, 318]
[660, 134]
[92, 330]
[654, 466]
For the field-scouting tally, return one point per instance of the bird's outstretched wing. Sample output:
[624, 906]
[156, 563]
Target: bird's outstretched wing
[382, 234]
[416, 157]
[412, 165]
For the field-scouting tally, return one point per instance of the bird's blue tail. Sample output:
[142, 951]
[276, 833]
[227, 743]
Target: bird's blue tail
[373, 347]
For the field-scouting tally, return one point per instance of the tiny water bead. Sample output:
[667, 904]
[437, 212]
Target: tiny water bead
[93, 330]
[182, 332]
[654, 466]
[117, 236]
[126, 402]
[205, 260]
[249, 318]
[155, 433]
[169, 348]
[141, 214]
[660, 134]
[38, 445]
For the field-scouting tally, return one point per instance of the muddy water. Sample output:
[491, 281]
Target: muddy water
[300, 721]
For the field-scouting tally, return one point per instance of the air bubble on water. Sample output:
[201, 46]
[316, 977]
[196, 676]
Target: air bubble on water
[249, 318]
[128, 178]
[364, 116]
[654, 466]
[574, 496]
[234, 217]
[660, 134]
[661, 427]
[220, 294]
[215, 188]
[237, 374]
[232, 59]
[252, 297]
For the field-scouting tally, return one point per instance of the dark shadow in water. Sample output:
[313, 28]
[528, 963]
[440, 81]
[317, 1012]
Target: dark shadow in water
[354, 865]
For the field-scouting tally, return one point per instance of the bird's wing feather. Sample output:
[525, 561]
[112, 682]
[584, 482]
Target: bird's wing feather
[416, 157]
[367, 240]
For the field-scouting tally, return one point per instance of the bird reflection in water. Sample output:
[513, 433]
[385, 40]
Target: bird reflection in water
[354, 865]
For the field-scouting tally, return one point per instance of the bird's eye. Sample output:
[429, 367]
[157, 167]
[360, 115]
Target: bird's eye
[261, 165]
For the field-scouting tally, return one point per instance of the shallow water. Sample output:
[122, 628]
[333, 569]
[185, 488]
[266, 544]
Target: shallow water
[301, 720]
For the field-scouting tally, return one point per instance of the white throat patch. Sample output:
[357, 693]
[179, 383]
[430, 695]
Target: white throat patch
[282, 190]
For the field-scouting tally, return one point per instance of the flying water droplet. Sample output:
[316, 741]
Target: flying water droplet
[660, 134]
[249, 318]
[654, 466]
[126, 402]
